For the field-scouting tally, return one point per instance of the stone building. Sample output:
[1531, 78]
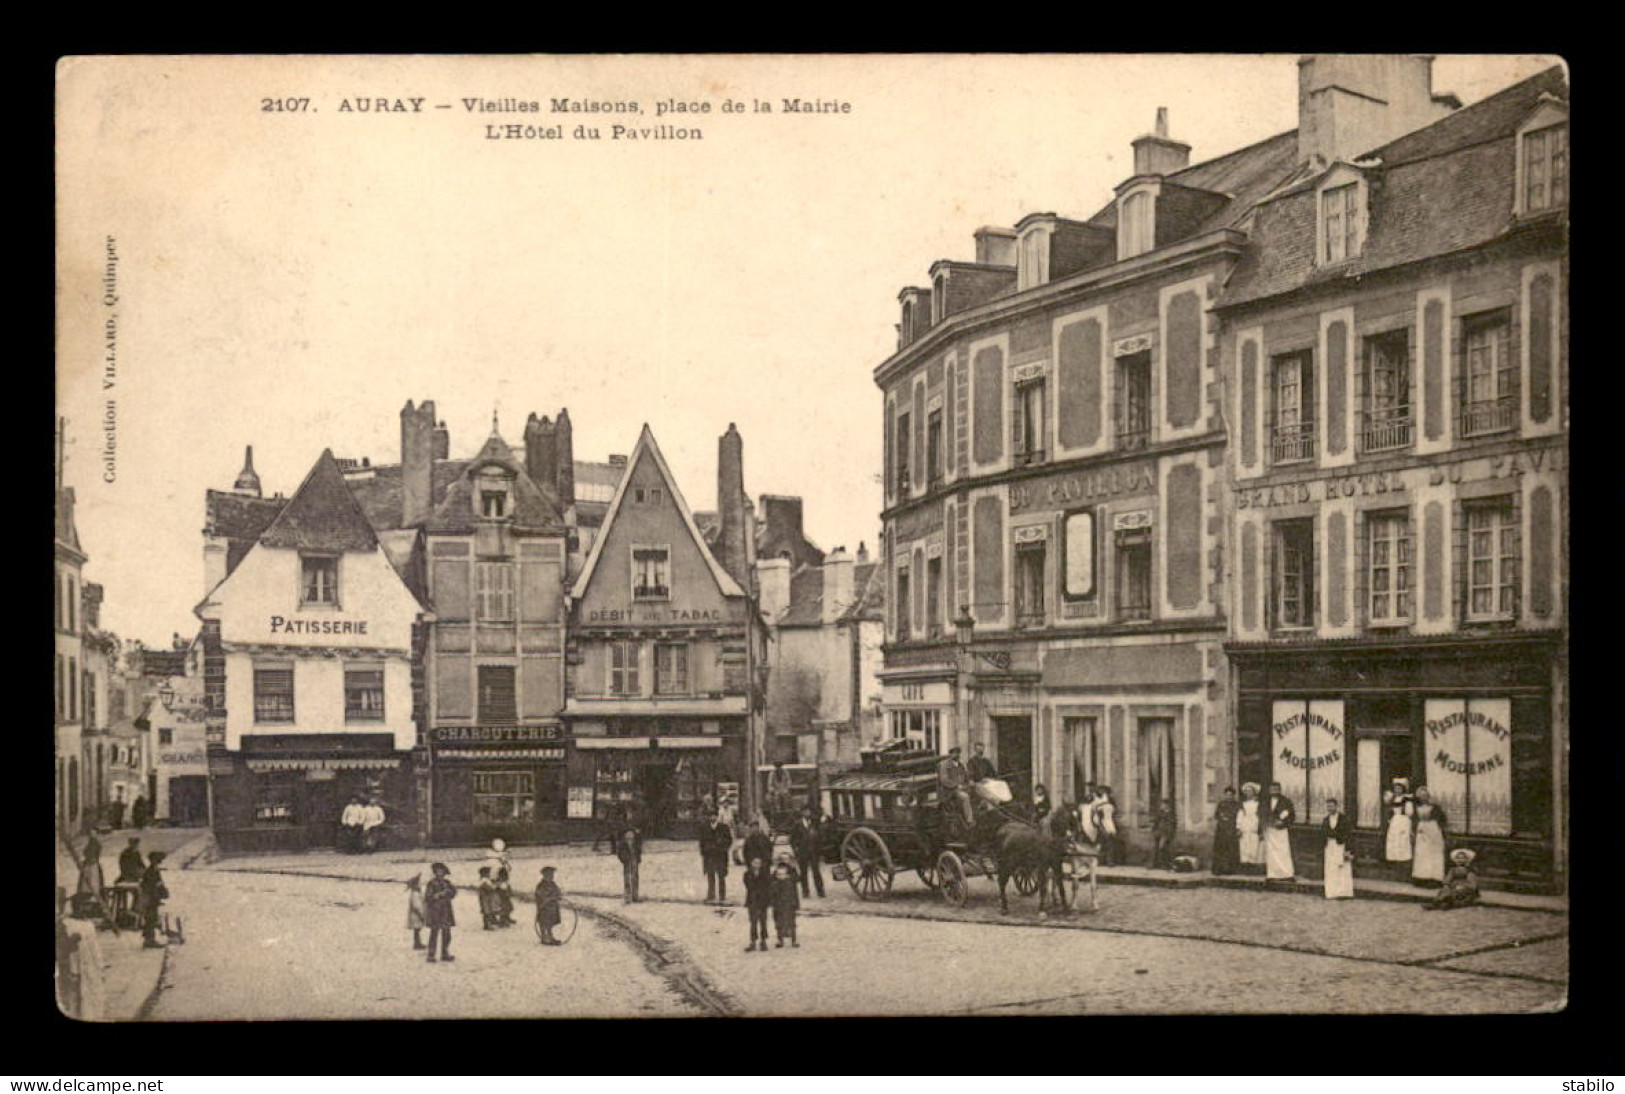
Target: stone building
[67, 597]
[1055, 499]
[1396, 355]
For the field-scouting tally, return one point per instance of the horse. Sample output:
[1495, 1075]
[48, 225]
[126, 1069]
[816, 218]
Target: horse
[1019, 846]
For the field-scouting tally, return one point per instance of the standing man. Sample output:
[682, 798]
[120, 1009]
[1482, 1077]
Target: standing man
[141, 811]
[629, 847]
[716, 840]
[153, 895]
[372, 819]
[1278, 818]
[115, 809]
[130, 865]
[980, 766]
[350, 826]
[954, 780]
[759, 844]
[779, 792]
[804, 842]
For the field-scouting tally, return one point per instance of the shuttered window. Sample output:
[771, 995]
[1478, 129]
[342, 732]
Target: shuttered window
[273, 694]
[496, 591]
[364, 693]
[498, 705]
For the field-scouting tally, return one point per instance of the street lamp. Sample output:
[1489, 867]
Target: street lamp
[964, 633]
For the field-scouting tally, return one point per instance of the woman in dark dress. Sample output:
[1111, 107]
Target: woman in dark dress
[1226, 837]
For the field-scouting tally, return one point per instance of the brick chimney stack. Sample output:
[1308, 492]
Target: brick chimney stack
[838, 577]
[734, 531]
[417, 462]
[541, 455]
[442, 443]
[1157, 154]
[565, 459]
[1349, 105]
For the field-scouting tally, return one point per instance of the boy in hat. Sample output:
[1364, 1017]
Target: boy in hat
[414, 909]
[548, 900]
[437, 898]
[1460, 883]
[758, 898]
[504, 898]
[786, 901]
[488, 899]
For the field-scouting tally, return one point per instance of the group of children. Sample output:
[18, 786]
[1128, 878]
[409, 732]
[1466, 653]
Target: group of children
[777, 889]
[429, 907]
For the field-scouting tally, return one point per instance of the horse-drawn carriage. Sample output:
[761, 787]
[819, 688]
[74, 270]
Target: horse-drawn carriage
[890, 816]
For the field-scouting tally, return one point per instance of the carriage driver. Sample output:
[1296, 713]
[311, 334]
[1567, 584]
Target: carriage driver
[952, 778]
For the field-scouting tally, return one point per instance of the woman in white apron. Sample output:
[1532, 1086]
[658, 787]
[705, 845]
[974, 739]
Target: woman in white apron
[1397, 844]
[1339, 864]
[1427, 859]
[1252, 847]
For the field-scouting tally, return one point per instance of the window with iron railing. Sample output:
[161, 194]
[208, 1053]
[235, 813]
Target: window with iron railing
[1388, 421]
[1390, 570]
[1293, 389]
[650, 567]
[1294, 575]
[1490, 376]
[1492, 561]
[1030, 578]
[1134, 402]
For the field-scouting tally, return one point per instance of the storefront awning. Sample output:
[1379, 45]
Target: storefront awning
[555, 753]
[345, 763]
[644, 742]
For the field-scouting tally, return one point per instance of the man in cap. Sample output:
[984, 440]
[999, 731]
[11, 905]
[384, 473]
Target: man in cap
[548, 900]
[953, 779]
[153, 895]
[130, 864]
[980, 766]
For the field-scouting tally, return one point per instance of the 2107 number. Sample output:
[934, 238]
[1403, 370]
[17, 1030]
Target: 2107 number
[279, 106]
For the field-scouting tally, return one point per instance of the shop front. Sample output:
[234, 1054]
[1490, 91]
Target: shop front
[1470, 720]
[657, 771]
[489, 782]
[919, 705]
[288, 792]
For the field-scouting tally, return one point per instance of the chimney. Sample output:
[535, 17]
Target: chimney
[541, 458]
[734, 532]
[1156, 154]
[863, 553]
[618, 461]
[565, 459]
[773, 585]
[417, 462]
[837, 584]
[781, 517]
[442, 443]
[996, 246]
[92, 601]
[248, 482]
[1349, 105]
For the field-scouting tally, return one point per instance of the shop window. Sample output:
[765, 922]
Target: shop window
[497, 701]
[1292, 404]
[650, 570]
[933, 595]
[1545, 168]
[363, 693]
[1340, 223]
[1155, 759]
[612, 786]
[1030, 423]
[273, 694]
[504, 797]
[1134, 575]
[166, 736]
[1489, 375]
[1390, 570]
[1387, 374]
[933, 447]
[1492, 560]
[1086, 751]
[904, 605]
[1079, 546]
[494, 587]
[1293, 593]
[1134, 401]
[275, 797]
[905, 438]
[671, 668]
[694, 779]
[923, 727]
[1469, 763]
[623, 668]
[319, 580]
[1030, 565]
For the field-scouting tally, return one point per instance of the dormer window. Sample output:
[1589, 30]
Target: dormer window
[939, 298]
[1032, 257]
[1545, 156]
[493, 495]
[1137, 230]
[493, 503]
[1340, 222]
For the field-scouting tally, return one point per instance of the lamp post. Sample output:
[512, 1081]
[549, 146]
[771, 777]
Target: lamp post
[964, 634]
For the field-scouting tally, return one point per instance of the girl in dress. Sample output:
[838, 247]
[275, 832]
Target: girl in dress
[1397, 844]
[1111, 847]
[1339, 864]
[1427, 859]
[1247, 827]
[415, 910]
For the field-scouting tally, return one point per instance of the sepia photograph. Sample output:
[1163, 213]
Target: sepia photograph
[659, 536]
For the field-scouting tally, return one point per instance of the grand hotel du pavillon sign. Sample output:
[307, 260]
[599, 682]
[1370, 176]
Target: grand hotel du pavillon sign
[1084, 486]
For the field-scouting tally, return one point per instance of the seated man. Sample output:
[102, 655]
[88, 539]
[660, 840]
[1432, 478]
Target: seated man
[954, 781]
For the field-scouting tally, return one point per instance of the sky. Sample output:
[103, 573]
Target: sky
[289, 278]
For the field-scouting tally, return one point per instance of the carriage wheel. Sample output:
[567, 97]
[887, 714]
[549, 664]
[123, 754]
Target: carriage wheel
[868, 864]
[951, 879]
[1026, 881]
[928, 873]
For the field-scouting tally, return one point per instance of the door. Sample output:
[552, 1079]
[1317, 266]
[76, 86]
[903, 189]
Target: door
[1013, 754]
[655, 792]
[188, 799]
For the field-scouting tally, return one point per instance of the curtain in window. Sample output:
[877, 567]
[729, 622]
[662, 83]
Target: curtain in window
[1157, 751]
[1469, 763]
[1083, 745]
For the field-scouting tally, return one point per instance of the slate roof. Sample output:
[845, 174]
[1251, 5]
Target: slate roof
[1245, 176]
[322, 514]
[807, 596]
[534, 507]
[67, 532]
[870, 603]
[1446, 187]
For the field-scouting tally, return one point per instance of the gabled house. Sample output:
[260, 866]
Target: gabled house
[665, 650]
